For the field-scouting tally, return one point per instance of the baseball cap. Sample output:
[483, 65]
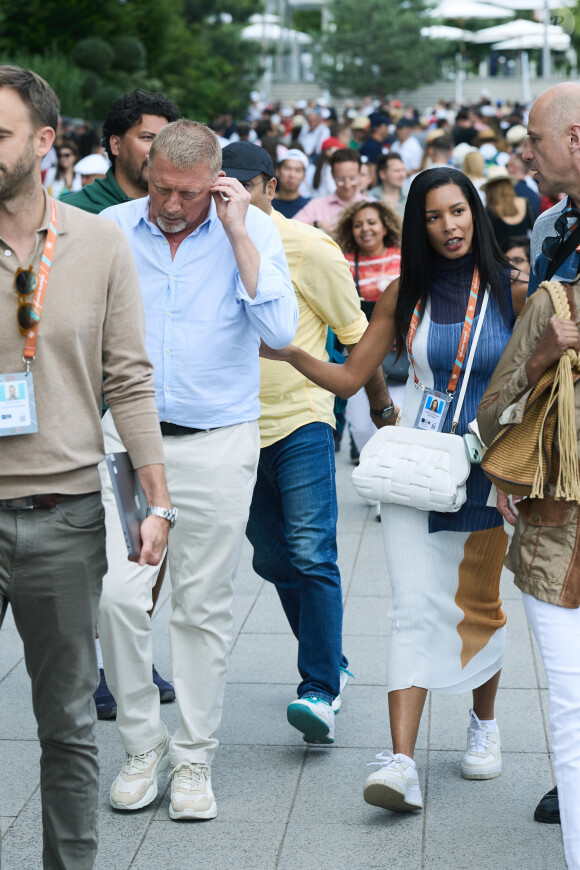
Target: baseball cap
[92, 164]
[378, 118]
[332, 142]
[296, 154]
[244, 160]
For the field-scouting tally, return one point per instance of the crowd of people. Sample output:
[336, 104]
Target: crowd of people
[272, 241]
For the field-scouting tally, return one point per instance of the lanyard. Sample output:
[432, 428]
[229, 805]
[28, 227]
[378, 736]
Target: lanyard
[464, 340]
[38, 298]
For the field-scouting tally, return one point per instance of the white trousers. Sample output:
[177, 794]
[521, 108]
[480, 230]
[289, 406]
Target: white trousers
[211, 477]
[557, 631]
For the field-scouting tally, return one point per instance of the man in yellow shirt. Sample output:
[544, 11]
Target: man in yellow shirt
[292, 524]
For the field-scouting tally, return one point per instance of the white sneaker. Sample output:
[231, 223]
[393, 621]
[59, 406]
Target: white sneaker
[314, 717]
[136, 785]
[395, 786]
[482, 759]
[344, 677]
[191, 793]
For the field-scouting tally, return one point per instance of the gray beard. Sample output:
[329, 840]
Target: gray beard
[170, 228]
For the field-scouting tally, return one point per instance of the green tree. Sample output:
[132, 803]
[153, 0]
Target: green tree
[190, 49]
[376, 47]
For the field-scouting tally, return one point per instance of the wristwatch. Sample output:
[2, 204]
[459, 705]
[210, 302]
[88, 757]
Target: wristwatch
[384, 413]
[169, 514]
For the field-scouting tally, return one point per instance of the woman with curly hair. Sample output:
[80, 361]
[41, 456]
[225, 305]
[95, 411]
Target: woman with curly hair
[369, 235]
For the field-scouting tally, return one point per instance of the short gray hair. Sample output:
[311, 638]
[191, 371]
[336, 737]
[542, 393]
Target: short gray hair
[186, 144]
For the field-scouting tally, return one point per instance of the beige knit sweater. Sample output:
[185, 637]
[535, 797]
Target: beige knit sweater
[92, 327]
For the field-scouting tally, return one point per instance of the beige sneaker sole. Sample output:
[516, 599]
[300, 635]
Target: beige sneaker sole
[191, 815]
[388, 797]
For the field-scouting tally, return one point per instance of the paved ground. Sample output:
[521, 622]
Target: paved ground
[283, 806]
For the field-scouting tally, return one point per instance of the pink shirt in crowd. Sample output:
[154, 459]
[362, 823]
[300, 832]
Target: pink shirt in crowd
[325, 209]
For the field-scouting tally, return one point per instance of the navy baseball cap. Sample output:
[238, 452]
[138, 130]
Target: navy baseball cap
[244, 160]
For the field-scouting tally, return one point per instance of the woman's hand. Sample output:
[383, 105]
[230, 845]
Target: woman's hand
[282, 355]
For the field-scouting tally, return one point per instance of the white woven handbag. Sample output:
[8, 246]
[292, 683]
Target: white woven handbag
[417, 467]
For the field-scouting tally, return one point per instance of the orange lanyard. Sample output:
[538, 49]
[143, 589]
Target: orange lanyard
[463, 342]
[38, 298]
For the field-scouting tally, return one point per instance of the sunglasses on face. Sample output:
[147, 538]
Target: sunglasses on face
[25, 284]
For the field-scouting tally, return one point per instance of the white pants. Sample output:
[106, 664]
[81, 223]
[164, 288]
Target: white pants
[211, 477]
[557, 631]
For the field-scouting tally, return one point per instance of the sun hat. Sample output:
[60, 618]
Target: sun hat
[498, 173]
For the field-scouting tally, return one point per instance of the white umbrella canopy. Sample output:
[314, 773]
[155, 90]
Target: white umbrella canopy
[465, 10]
[513, 29]
[521, 5]
[274, 33]
[461, 11]
[556, 42]
[442, 31]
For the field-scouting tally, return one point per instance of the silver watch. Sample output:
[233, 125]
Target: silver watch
[169, 514]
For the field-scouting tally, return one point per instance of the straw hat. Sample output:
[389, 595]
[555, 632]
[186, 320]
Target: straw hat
[516, 134]
[498, 173]
[361, 122]
[485, 135]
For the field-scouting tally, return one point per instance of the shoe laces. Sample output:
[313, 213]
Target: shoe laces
[479, 736]
[189, 775]
[137, 763]
[386, 759]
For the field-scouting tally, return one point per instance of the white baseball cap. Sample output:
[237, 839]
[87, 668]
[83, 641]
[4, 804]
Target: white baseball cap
[296, 154]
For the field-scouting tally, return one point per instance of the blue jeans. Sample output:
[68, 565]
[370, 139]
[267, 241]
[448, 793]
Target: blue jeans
[292, 528]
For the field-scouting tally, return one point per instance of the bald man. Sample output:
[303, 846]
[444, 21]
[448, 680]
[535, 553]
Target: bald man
[553, 152]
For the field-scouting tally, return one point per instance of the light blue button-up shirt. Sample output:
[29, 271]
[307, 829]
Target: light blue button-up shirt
[202, 329]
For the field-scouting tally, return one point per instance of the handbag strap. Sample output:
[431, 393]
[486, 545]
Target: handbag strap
[470, 361]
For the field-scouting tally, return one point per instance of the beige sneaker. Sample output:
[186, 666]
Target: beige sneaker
[191, 793]
[482, 758]
[136, 785]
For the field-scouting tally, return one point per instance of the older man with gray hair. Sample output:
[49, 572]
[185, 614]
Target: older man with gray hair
[214, 281]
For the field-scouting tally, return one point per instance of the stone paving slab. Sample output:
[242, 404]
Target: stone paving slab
[283, 805]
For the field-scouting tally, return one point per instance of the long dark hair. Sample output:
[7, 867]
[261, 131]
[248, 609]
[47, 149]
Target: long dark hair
[418, 257]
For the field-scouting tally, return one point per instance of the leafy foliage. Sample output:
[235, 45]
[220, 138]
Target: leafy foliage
[91, 52]
[379, 51]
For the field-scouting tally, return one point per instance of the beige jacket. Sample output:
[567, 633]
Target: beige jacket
[545, 550]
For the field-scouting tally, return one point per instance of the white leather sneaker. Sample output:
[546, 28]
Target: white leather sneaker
[482, 758]
[395, 786]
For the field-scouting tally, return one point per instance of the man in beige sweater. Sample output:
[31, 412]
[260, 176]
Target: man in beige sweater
[72, 315]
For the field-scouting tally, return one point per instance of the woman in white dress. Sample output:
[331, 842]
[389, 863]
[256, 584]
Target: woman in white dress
[448, 629]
